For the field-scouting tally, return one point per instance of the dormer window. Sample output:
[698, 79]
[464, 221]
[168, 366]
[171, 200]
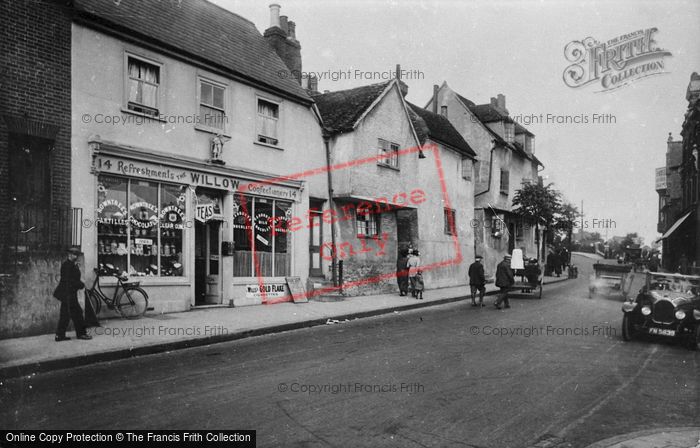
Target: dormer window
[510, 132]
[530, 145]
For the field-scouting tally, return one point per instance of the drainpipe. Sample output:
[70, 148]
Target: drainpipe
[331, 204]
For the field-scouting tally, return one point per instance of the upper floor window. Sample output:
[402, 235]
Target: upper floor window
[505, 175]
[212, 112]
[390, 152]
[143, 84]
[529, 144]
[467, 169]
[450, 221]
[268, 122]
[477, 171]
[510, 132]
[443, 111]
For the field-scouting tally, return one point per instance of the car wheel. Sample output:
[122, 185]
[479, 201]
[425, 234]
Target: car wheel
[627, 328]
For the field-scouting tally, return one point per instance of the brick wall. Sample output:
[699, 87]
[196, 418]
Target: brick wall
[35, 81]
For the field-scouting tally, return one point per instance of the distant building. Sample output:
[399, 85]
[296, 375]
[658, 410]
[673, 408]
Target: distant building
[668, 186]
[505, 161]
[682, 224]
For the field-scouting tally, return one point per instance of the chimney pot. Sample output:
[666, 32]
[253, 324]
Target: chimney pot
[274, 15]
[292, 30]
[284, 24]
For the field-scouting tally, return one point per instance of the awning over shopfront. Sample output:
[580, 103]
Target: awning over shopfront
[675, 226]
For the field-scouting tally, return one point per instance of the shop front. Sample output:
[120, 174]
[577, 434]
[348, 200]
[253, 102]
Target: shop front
[193, 234]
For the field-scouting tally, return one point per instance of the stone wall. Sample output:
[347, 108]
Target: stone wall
[27, 305]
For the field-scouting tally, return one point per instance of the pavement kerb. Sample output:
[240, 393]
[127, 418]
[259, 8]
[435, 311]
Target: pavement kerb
[629, 439]
[113, 355]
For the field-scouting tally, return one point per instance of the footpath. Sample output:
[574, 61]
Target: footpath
[155, 333]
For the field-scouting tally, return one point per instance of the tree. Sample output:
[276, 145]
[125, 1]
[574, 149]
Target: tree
[538, 203]
[630, 240]
[565, 220]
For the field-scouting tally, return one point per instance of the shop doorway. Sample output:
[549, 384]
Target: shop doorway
[511, 237]
[315, 238]
[207, 265]
[207, 249]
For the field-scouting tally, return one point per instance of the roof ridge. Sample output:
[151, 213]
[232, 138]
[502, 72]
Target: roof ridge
[376, 84]
[228, 11]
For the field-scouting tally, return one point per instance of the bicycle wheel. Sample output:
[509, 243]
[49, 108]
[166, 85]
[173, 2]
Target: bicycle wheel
[132, 303]
[93, 300]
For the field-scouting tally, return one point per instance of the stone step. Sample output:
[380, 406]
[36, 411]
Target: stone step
[327, 296]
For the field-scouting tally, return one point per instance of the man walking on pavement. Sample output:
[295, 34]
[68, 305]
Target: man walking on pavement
[504, 279]
[67, 293]
[477, 280]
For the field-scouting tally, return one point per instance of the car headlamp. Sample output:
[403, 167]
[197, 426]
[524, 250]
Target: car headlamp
[646, 310]
[680, 314]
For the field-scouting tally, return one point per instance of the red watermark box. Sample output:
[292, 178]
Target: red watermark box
[414, 197]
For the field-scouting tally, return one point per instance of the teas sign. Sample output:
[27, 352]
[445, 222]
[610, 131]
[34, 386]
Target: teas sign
[204, 212]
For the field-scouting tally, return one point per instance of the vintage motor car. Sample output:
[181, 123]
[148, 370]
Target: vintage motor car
[668, 305]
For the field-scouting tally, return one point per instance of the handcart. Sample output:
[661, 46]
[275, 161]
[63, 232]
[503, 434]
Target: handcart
[528, 281]
[610, 277]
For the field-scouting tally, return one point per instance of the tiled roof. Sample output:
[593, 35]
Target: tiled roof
[437, 127]
[465, 101]
[536, 160]
[486, 113]
[200, 30]
[520, 129]
[340, 110]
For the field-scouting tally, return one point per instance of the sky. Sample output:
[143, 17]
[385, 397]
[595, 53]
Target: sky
[482, 48]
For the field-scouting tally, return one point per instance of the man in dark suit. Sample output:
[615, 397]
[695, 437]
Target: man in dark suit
[67, 293]
[504, 279]
[477, 280]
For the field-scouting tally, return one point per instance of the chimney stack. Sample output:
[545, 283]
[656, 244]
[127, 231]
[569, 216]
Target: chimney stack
[281, 36]
[499, 103]
[502, 102]
[274, 15]
[436, 88]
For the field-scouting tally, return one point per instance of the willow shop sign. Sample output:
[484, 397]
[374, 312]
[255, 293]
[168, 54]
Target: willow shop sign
[155, 172]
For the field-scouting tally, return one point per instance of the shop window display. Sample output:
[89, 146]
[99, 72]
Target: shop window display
[143, 236]
[262, 244]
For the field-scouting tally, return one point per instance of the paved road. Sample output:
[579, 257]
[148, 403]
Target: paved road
[432, 377]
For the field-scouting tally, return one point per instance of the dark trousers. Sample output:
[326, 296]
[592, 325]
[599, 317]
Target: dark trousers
[481, 289]
[503, 297]
[402, 279]
[70, 310]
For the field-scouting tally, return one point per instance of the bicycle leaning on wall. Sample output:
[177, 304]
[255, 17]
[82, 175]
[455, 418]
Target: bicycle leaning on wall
[129, 299]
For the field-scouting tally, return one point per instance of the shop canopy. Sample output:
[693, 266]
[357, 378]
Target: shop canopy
[675, 226]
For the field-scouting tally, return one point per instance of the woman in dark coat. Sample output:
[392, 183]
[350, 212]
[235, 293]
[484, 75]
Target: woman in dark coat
[67, 293]
[402, 272]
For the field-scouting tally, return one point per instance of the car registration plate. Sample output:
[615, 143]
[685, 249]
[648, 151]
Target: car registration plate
[662, 331]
